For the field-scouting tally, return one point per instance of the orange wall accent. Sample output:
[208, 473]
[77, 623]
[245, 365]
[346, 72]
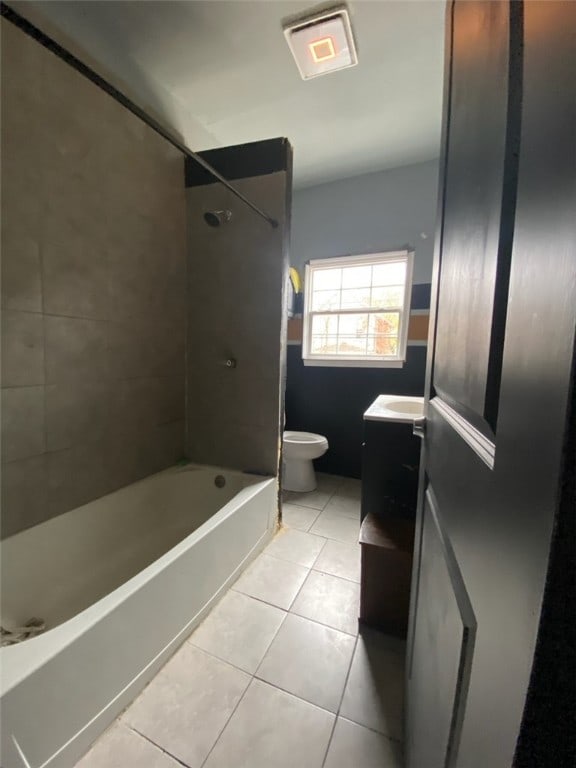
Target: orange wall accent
[418, 327]
[295, 329]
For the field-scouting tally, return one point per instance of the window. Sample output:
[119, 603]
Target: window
[356, 310]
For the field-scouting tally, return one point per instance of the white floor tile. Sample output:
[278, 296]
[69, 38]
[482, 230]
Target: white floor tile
[344, 505]
[351, 488]
[374, 692]
[296, 546]
[185, 707]
[239, 630]
[315, 499]
[309, 660]
[329, 600]
[339, 559]
[354, 746]
[272, 729]
[120, 747]
[337, 526]
[328, 483]
[272, 580]
[301, 518]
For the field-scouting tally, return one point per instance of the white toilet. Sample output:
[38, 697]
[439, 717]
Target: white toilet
[299, 450]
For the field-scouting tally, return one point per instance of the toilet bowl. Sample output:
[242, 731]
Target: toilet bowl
[299, 450]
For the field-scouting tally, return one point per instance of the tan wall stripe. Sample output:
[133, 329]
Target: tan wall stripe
[417, 328]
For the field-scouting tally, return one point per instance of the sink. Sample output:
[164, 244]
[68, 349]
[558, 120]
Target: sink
[407, 407]
[398, 408]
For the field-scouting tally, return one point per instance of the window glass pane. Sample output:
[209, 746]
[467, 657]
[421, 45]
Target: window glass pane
[356, 309]
[326, 325]
[382, 345]
[324, 345]
[388, 297]
[355, 298]
[325, 300]
[356, 277]
[351, 346]
[353, 325]
[384, 324]
[393, 273]
[326, 279]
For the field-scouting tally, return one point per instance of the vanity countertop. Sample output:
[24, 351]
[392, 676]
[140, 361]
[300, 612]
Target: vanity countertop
[398, 408]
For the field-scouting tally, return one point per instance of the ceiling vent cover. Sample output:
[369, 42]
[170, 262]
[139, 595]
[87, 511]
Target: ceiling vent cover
[322, 42]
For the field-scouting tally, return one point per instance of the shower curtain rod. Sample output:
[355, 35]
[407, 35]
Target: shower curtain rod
[273, 223]
[30, 29]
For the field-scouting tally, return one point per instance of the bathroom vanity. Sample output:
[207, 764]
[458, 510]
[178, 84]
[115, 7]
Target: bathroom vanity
[390, 463]
[391, 457]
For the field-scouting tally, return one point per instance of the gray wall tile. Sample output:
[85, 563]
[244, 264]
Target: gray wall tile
[147, 402]
[236, 282]
[162, 446]
[21, 280]
[23, 433]
[133, 456]
[75, 276]
[96, 222]
[77, 475]
[76, 349]
[77, 412]
[244, 447]
[128, 349]
[22, 349]
[94, 237]
[24, 494]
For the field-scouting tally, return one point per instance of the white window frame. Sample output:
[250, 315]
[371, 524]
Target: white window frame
[358, 361]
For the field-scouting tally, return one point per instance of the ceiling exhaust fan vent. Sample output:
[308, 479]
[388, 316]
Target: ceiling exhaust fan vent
[322, 42]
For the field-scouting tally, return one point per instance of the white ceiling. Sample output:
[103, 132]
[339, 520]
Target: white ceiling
[220, 73]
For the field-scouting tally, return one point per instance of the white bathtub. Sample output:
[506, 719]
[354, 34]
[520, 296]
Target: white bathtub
[121, 582]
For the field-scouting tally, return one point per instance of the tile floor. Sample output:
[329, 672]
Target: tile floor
[277, 675]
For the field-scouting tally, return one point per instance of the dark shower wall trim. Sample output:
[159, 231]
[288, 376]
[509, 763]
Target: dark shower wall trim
[241, 161]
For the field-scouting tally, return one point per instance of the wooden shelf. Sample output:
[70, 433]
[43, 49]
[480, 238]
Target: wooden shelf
[387, 533]
[386, 546]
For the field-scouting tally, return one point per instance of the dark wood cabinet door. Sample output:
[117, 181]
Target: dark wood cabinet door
[504, 315]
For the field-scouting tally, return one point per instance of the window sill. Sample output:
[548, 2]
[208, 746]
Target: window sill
[335, 363]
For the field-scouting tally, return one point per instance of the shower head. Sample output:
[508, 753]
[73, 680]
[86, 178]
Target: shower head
[215, 218]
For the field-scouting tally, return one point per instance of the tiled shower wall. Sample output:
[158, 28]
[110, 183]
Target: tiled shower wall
[237, 276]
[93, 290]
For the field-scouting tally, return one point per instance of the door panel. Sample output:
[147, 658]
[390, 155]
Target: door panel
[444, 643]
[505, 272]
[474, 260]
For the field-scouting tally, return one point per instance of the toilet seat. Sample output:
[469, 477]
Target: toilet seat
[290, 436]
[303, 446]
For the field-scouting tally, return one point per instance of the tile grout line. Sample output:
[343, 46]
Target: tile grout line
[226, 661]
[340, 702]
[160, 748]
[295, 695]
[327, 573]
[338, 715]
[217, 739]
[285, 559]
[289, 611]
